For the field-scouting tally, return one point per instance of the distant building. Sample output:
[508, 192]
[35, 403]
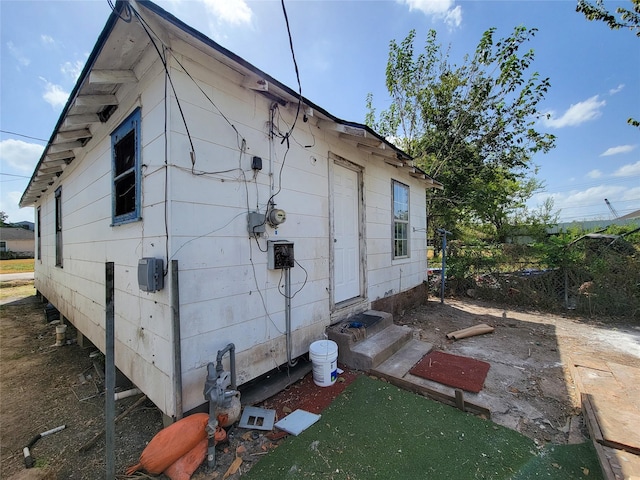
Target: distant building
[16, 242]
[24, 224]
[630, 216]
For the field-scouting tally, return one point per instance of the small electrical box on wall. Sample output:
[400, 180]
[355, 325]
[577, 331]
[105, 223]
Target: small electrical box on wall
[150, 274]
[256, 223]
[279, 254]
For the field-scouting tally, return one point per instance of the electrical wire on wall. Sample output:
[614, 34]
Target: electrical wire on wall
[304, 282]
[165, 53]
[127, 8]
[295, 65]
[149, 30]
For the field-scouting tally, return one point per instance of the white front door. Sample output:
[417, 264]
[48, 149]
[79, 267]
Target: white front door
[346, 238]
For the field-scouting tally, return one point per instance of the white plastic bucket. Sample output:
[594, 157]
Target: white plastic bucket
[324, 358]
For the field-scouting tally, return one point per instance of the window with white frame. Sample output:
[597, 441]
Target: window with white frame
[39, 235]
[400, 199]
[125, 151]
[58, 220]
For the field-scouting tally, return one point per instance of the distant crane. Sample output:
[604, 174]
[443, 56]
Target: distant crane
[613, 210]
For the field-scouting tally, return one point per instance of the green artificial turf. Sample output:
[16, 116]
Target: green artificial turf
[375, 430]
[563, 462]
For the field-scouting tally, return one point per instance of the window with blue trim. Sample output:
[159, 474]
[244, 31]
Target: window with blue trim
[125, 153]
[400, 193]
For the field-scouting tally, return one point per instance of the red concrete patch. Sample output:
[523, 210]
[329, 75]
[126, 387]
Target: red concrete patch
[306, 395]
[452, 370]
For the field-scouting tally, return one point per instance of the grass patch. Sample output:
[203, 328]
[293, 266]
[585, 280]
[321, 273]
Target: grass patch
[16, 289]
[18, 265]
[375, 430]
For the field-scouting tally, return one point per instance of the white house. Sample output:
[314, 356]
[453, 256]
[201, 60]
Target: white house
[171, 147]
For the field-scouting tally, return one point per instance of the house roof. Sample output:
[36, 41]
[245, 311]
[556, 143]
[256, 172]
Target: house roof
[16, 233]
[630, 216]
[109, 72]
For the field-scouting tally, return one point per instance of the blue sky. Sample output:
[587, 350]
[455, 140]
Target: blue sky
[341, 48]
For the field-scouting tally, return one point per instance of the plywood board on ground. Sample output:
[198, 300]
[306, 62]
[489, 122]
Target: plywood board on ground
[611, 402]
[629, 378]
[618, 423]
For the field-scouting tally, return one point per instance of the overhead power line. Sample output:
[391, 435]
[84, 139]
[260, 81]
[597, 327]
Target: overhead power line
[14, 175]
[24, 136]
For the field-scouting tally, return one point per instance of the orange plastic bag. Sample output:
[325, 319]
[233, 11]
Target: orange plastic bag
[183, 468]
[171, 443]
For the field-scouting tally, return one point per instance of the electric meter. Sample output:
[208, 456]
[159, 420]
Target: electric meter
[276, 216]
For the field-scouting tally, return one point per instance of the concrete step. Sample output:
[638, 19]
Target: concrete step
[399, 364]
[374, 350]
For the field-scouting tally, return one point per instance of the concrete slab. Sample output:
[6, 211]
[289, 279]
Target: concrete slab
[399, 364]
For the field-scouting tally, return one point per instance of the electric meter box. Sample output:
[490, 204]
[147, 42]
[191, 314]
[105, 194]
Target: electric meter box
[279, 254]
[150, 274]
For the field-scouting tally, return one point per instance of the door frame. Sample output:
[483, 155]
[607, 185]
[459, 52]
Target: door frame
[358, 303]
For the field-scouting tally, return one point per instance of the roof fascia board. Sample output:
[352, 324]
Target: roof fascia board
[259, 73]
[106, 31]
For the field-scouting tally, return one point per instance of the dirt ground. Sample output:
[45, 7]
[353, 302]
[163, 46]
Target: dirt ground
[528, 388]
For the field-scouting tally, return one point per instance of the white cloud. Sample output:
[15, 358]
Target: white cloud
[577, 114]
[617, 150]
[54, 94]
[72, 69]
[235, 12]
[632, 195]
[440, 9]
[16, 53]
[589, 203]
[618, 89]
[630, 170]
[47, 39]
[453, 18]
[594, 174]
[9, 204]
[20, 155]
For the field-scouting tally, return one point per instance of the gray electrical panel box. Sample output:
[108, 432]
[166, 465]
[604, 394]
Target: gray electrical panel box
[280, 254]
[256, 223]
[150, 274]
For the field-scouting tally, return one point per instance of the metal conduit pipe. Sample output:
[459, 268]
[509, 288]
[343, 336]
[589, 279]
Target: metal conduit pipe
[231, 348]
[287, 315]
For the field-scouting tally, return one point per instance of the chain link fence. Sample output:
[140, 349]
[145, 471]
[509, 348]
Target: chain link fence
[596, 275]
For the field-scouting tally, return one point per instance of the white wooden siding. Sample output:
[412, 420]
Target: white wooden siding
[219, 299]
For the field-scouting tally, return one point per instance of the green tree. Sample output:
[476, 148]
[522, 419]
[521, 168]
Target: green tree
[3, 218]
[471, 126]
[622, 18]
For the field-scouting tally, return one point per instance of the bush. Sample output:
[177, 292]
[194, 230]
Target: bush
[591, 274]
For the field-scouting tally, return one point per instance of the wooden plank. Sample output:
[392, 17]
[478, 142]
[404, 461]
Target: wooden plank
[62, 147]
[112, 76]
[74, 134]
[432, 394]
[257, 392]
[590, 419]
[65, 154]
[618, 423]
[82, 119]
[96, 100]
[617, 464]
[607, 471]
[460, 399]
